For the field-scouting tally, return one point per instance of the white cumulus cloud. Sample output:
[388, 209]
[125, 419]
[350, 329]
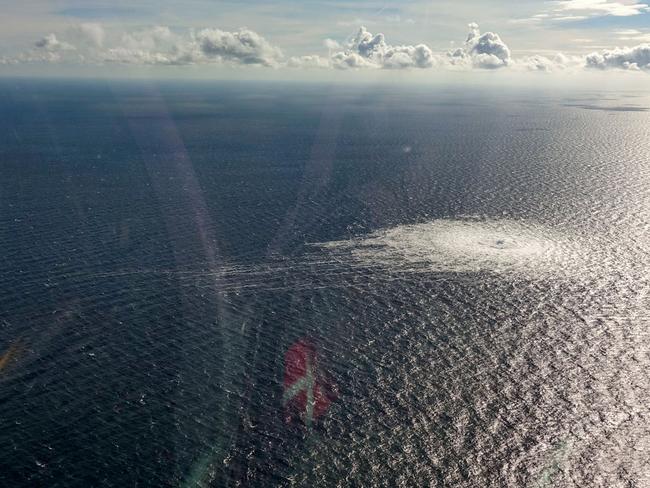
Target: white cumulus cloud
[558, 62]
[627, 58]
[52, 44]
[345, 60]
[367, 50]
[243, 46]
[484, 51]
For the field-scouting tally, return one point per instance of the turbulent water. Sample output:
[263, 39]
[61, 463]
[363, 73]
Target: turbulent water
[472, 268]
[469, 246]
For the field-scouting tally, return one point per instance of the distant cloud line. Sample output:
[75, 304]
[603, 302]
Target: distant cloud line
[572, 10]
[159, 45]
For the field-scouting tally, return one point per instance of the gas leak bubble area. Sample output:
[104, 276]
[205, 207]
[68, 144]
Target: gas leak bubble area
[468, 245]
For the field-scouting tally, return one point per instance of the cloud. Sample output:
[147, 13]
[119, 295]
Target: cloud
[92, 33]
[345, 60]
[159, 45]
[88, 43]
[419, 56]
[599, 7]
[52, 44]
[156, 45]
[125, 55]
[332, 44]
[545, 64]
[633, 35]
[367, 45]
[627, 58]
[47, 49]
[367, 50]
[538, 63]
[156, 38]
[309, 61]
[572, 10]
[483, 51]
[104, 12]
[243, 46]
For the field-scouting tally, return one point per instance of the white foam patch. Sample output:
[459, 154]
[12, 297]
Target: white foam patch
[466, 245]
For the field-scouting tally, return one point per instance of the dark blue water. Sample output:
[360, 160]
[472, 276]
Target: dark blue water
[472, 266]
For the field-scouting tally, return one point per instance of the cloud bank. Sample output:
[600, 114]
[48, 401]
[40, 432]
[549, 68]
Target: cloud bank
[90, 43]
[158, 45]
[558, 62]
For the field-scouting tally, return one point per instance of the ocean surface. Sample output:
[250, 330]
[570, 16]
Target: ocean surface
[471, 266]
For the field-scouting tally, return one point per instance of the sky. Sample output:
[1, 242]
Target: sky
[323, 38]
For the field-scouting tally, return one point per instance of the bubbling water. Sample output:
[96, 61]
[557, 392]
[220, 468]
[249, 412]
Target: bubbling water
[467, 245]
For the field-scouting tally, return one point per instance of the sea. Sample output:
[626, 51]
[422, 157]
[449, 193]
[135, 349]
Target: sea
[469, 265]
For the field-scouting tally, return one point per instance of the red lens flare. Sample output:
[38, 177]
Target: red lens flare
[306, 392]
